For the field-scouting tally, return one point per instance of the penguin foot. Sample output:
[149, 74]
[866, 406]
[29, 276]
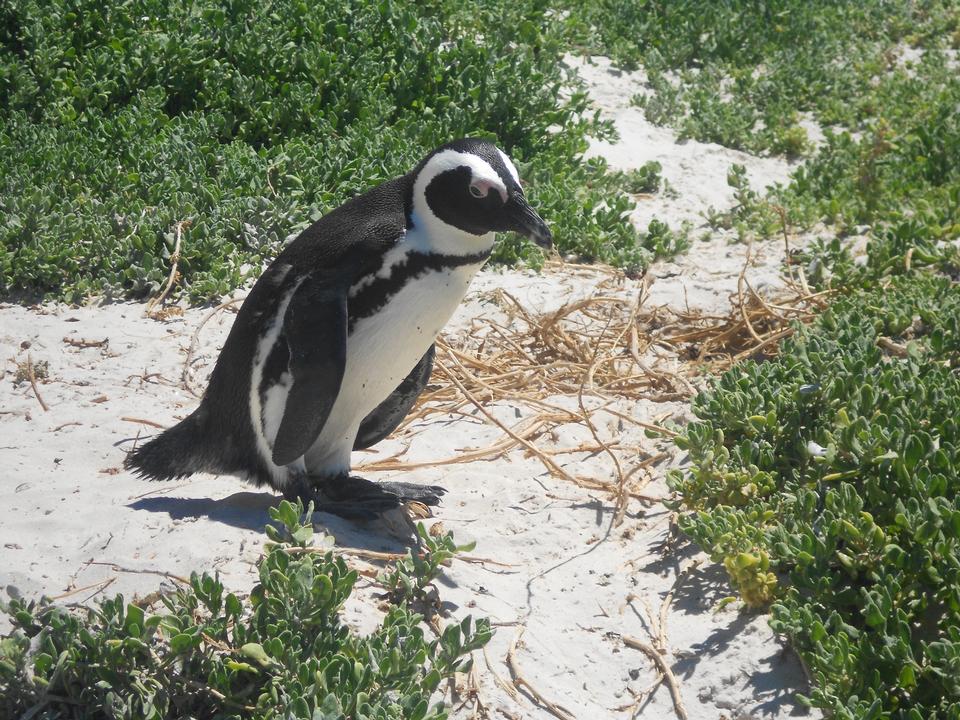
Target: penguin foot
[357, 498]
[427, 494]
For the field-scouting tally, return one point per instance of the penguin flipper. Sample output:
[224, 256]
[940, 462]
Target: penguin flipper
[385, 418]
[315, 326]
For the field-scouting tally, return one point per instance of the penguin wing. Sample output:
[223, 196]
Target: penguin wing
[315, 326]
[384, 418]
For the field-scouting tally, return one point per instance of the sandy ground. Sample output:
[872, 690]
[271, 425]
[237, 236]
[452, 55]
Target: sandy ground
[76, 524]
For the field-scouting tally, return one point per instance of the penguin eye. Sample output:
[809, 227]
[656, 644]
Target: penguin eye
[477, 192]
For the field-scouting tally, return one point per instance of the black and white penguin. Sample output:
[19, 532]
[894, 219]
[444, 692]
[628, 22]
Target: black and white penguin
[336, 339]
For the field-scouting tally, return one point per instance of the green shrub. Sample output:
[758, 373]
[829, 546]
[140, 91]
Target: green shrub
[738, 72]
[250, 119]
[663, 242]
[412, 575]
[283, 654]
[829, 480]
[645, 179]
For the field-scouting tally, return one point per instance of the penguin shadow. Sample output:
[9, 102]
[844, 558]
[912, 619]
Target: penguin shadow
[248, 511]
[245, 510]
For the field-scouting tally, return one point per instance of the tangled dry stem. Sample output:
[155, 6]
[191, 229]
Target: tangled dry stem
[521, 682]
[158, 301]
[610, 346]
[613, 345]
[32, 377]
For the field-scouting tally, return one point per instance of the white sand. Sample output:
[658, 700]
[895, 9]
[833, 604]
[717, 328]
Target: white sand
[696, 171]
[68, 504]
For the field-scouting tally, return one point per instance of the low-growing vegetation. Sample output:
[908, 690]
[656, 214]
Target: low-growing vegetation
[742, 73]
[281, 653]
[880, 79]
[827, 480]
[137, 131]
[236, 124]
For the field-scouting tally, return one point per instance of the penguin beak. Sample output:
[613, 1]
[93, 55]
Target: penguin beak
[524, 219]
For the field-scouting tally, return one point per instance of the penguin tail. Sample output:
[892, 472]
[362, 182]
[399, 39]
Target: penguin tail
[173, 454]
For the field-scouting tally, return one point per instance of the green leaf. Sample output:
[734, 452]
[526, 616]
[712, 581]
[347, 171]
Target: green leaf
[182, 643]
[303, 535]
[908, 678]
[255, 652]
[240, 666]
[133, 623]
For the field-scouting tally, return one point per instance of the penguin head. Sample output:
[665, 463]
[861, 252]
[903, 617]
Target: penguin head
[471, 186]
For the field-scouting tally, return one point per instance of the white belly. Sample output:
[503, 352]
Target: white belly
[381, 351]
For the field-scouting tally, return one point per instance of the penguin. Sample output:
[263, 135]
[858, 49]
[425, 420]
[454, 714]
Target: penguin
[335, 341]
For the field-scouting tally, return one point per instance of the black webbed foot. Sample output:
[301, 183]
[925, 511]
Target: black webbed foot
[357, 498]
[427, 494]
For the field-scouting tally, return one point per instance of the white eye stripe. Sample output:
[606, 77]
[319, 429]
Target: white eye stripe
[444, 234]
[483, 175]
[511, 168]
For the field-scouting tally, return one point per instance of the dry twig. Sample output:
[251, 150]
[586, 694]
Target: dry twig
[100, 585]
[388, 556]
[83, 343]
[31, 376]
[885, 343]
[185, 375]
[141, 421]
[664, 669]
[520, 681]
[172, 277]
[498, 679]
[161, 573]
[547, 461]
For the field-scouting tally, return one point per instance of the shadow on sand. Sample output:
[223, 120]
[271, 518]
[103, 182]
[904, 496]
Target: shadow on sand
[778, 676]
[248, 511]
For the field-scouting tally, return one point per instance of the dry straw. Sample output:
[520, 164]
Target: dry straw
[610, 346]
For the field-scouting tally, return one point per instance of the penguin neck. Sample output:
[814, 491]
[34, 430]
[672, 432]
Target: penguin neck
[429, 234]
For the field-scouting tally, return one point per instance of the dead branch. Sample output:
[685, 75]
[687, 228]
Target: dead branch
[662, 666]
[185, 375]
[520, 681]
[141, 421]
[83, 343]
[171, 278]
[31, 376]
[885, 343]
[161, 573]
[548, 462]
[100, 585]
[500, 682]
